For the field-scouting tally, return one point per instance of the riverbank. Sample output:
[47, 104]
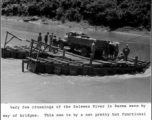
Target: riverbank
[81, 25]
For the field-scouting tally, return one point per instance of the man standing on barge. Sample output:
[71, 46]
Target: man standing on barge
[39, 39]
[126, 52]
[54, 43]
[51, 38]
[46, 38]
[93, 48]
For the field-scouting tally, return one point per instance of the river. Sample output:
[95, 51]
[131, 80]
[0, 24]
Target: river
[18, 87]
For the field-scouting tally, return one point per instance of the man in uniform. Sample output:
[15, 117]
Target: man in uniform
[51, 37]
[92, 51]
[54, 40]
[39, 39]
[121, 56]
[58, 40]
[93, 47]
[111, 51]
[116, 52]
[46, 38]
[107, 51]
[126, 52]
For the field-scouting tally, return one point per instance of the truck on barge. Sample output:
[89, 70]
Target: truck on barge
[77, 40]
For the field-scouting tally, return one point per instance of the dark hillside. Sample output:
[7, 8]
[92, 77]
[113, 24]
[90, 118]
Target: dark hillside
[110, 13]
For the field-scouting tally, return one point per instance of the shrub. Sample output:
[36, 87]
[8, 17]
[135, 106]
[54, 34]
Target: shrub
[113, 13]
[60, 13]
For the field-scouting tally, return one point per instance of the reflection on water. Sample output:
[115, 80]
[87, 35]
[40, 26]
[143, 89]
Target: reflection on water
[29, 87]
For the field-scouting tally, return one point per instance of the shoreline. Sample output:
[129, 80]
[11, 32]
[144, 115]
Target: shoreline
[81, 25]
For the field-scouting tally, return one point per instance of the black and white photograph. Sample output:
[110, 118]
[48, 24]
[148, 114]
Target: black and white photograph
[75, 51]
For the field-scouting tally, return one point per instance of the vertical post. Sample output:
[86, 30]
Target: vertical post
[63, 53]
[136, 60]
[31, 48]
[30, 53]
[38, 51]
[37, 56]
[22, 65]
[93, 49]
[50, 46]
[5, 40]
[91, 58]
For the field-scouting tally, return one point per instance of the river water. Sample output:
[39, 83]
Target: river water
[18, 87]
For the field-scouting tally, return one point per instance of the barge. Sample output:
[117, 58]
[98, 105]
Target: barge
[40, 60]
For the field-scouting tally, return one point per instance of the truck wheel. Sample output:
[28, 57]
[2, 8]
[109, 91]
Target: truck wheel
[84, 52]
[61, 45]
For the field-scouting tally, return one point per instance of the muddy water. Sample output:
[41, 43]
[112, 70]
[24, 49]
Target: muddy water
[27, 87]
[139, 44]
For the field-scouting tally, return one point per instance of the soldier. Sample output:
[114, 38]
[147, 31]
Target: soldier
[39, 39]
[51, 37]
[58, 40]
[111, 51]
[107, 51]
[92, 51]
[121, 56]
[116, 50]
[54, 40]
[126, 52]
[46, 38]
[93, 47]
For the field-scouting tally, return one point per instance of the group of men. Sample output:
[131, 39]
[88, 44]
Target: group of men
[49, 39]
[113, 51]
[123, 55]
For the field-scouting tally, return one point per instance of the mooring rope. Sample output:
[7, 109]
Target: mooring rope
[137, 49]
[132, 38]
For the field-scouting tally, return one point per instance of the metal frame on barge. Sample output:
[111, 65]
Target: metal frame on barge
[40, 60]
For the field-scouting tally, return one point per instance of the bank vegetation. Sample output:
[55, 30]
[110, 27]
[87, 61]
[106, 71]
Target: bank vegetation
[109, 13]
